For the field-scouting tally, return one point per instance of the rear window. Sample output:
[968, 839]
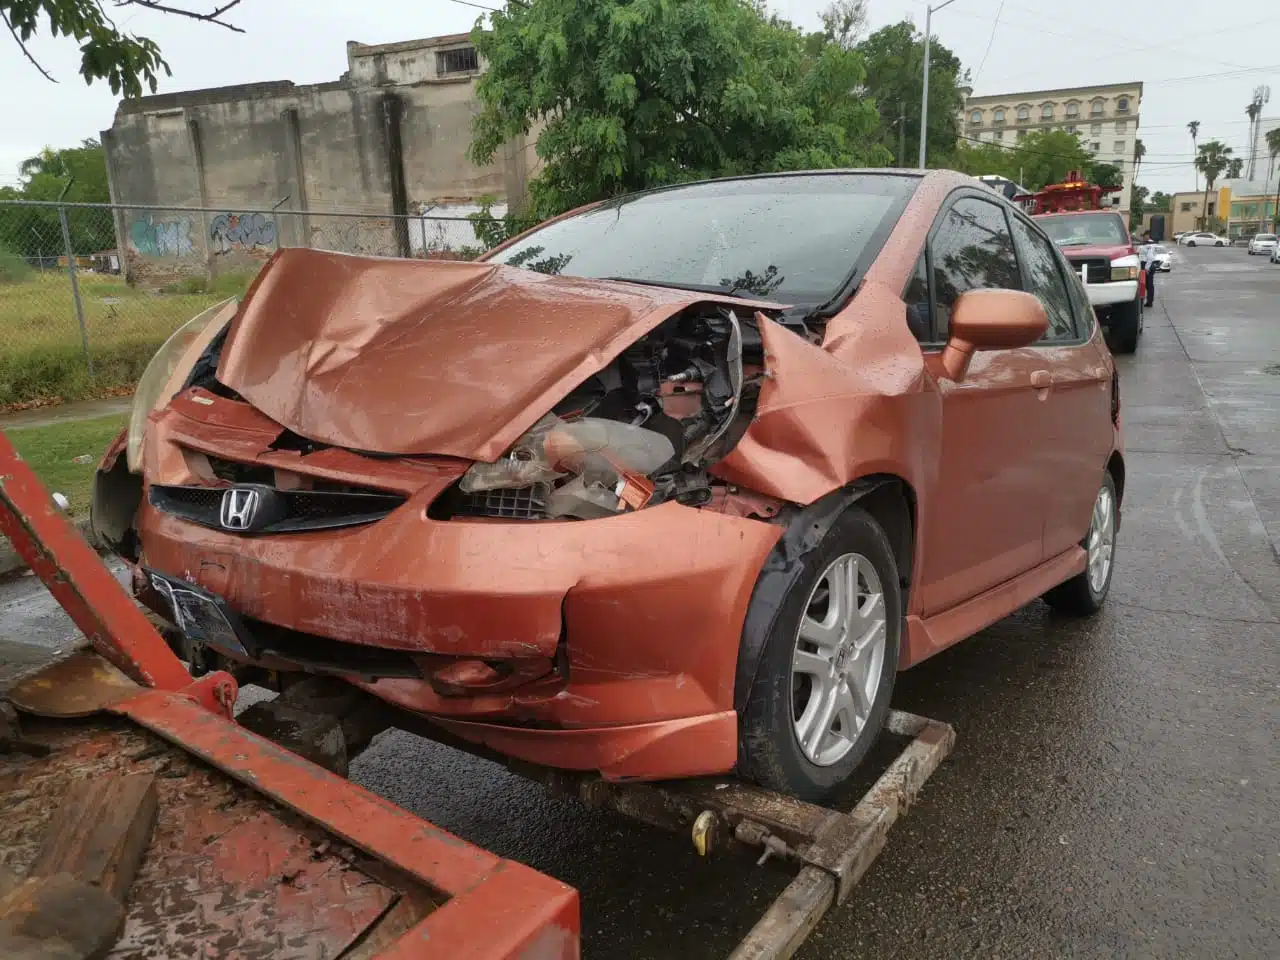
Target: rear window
[1085, 229]
[794, 239]
[1264, 236]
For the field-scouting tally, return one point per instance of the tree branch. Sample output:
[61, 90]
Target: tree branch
[27, 53]
[213, 16]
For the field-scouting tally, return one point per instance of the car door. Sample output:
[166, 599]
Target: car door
[1078, 398]
[985, 513]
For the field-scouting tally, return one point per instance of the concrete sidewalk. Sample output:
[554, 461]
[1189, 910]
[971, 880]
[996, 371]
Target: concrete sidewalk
[65, 413]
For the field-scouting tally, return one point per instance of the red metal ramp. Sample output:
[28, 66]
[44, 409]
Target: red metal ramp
[255, 874]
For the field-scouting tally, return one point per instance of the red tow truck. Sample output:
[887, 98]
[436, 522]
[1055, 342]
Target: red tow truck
[1079, 218]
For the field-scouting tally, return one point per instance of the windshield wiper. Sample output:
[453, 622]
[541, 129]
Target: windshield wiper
[699, 287]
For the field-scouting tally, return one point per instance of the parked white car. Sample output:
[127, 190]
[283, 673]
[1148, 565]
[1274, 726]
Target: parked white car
[1262, 243]
[1204, 239]
[1164, 259]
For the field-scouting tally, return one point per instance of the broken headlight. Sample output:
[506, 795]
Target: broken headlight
[150, 392]
[591, 467]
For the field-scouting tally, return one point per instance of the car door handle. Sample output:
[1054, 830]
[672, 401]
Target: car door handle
[1040, 379]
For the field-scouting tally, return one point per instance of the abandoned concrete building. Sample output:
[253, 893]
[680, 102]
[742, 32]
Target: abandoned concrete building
[274, 163]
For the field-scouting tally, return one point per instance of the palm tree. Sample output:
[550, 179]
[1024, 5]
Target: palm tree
[1234, 168]
[1194, 128]
[1212, 159]
[1139, 151]
[1252, 111]
[1273, 148]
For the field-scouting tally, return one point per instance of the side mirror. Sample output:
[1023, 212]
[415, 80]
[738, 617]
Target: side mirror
[991, 320]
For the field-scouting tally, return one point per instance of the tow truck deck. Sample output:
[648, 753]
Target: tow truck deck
[127, 780]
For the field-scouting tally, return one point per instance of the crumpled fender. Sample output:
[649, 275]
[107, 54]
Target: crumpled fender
[860, 404]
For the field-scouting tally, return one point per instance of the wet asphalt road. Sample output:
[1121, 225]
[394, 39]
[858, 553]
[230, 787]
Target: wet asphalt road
[1115, 788]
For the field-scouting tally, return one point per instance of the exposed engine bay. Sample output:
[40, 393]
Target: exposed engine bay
[641, 431]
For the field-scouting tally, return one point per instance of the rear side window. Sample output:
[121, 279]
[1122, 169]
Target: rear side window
[972, 250]
[1045, 280]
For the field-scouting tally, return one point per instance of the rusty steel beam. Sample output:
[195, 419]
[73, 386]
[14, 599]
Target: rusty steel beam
[848, 844]
[78, 579]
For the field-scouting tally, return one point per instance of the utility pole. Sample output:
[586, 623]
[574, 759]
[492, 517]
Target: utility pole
[924, 95]
[902, 133]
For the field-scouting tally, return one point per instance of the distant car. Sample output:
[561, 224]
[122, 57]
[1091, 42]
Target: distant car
[1262, 243]
[1203, 240]
[1177, 237]
[1164, 259]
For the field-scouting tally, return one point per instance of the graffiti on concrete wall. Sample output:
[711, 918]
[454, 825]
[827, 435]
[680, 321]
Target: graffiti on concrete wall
[244, 231]
[161, 238]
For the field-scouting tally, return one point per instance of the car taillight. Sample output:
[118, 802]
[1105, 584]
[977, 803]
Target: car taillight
[1115, 396]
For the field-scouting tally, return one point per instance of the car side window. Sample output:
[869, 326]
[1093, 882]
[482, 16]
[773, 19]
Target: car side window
[1045, 280]
[972, 250]
[916, 296]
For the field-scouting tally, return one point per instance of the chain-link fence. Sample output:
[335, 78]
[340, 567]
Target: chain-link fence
[89, 291]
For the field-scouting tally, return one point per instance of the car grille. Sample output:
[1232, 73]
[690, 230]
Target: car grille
[1099, 268]
[298, 510]
[525, 503]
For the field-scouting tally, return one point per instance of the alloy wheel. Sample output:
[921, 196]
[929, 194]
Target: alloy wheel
[1100, 543]
[838, 659]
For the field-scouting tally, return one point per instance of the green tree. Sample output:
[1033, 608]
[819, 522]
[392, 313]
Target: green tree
[894, 59]
[1137, 205]
[639, 94]
[979, 159]
[75, 174]
[1139, 154]
[843, 21]
[1212, 158]
[1273, 149]
[1105, 175]
[1193, 128]
[1047, 156]
[1235, 167]
[127, 62]
[1160, 202]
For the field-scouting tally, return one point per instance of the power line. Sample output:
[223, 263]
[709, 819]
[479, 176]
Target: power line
[1063, 156]
[990, 40]
[478, 6]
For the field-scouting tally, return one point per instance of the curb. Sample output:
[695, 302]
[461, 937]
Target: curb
[11, 563]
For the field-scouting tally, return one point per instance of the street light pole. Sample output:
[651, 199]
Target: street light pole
[924, 95]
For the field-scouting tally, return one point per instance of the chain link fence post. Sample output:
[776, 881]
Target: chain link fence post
[75, 286]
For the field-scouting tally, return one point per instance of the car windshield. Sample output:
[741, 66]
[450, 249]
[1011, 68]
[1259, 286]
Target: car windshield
[1085, 229]
[1160, 249]
[1264, 236]
[794, 239]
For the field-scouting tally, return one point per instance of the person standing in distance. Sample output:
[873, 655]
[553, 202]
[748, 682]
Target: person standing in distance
[1147, 256]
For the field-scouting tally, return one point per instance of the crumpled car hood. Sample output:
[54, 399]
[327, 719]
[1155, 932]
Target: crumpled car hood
[427, 357]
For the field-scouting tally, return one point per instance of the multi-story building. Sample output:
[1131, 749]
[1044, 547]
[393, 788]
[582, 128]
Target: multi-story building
[1104, 117]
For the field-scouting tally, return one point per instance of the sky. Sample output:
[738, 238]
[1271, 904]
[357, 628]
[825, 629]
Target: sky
[1194, 65]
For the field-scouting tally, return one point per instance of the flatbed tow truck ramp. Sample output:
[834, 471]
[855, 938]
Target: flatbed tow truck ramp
[141, 819]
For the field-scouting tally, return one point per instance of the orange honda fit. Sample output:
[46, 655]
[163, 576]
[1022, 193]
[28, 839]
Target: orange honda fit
[670, 485]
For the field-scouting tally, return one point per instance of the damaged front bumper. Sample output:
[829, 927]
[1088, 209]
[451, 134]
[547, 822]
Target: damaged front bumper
[640, 614]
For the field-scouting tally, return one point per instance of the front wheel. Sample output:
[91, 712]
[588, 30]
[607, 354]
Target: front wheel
[822, 688]
[1219, 244]
[1085, 593]
[1126, 325]
[1191, 243]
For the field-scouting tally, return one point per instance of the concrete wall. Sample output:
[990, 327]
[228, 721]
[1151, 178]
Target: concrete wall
[388, 138]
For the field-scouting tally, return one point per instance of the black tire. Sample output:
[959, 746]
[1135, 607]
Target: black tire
[1126, 325]
[1191, 243]
[1077, 597]
[769, 752]
[1219, 243]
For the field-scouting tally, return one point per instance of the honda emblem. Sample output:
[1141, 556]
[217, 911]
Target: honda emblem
[239, 508]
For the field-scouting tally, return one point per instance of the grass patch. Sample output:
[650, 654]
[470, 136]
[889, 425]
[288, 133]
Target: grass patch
[41, 352]
[51, 451]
